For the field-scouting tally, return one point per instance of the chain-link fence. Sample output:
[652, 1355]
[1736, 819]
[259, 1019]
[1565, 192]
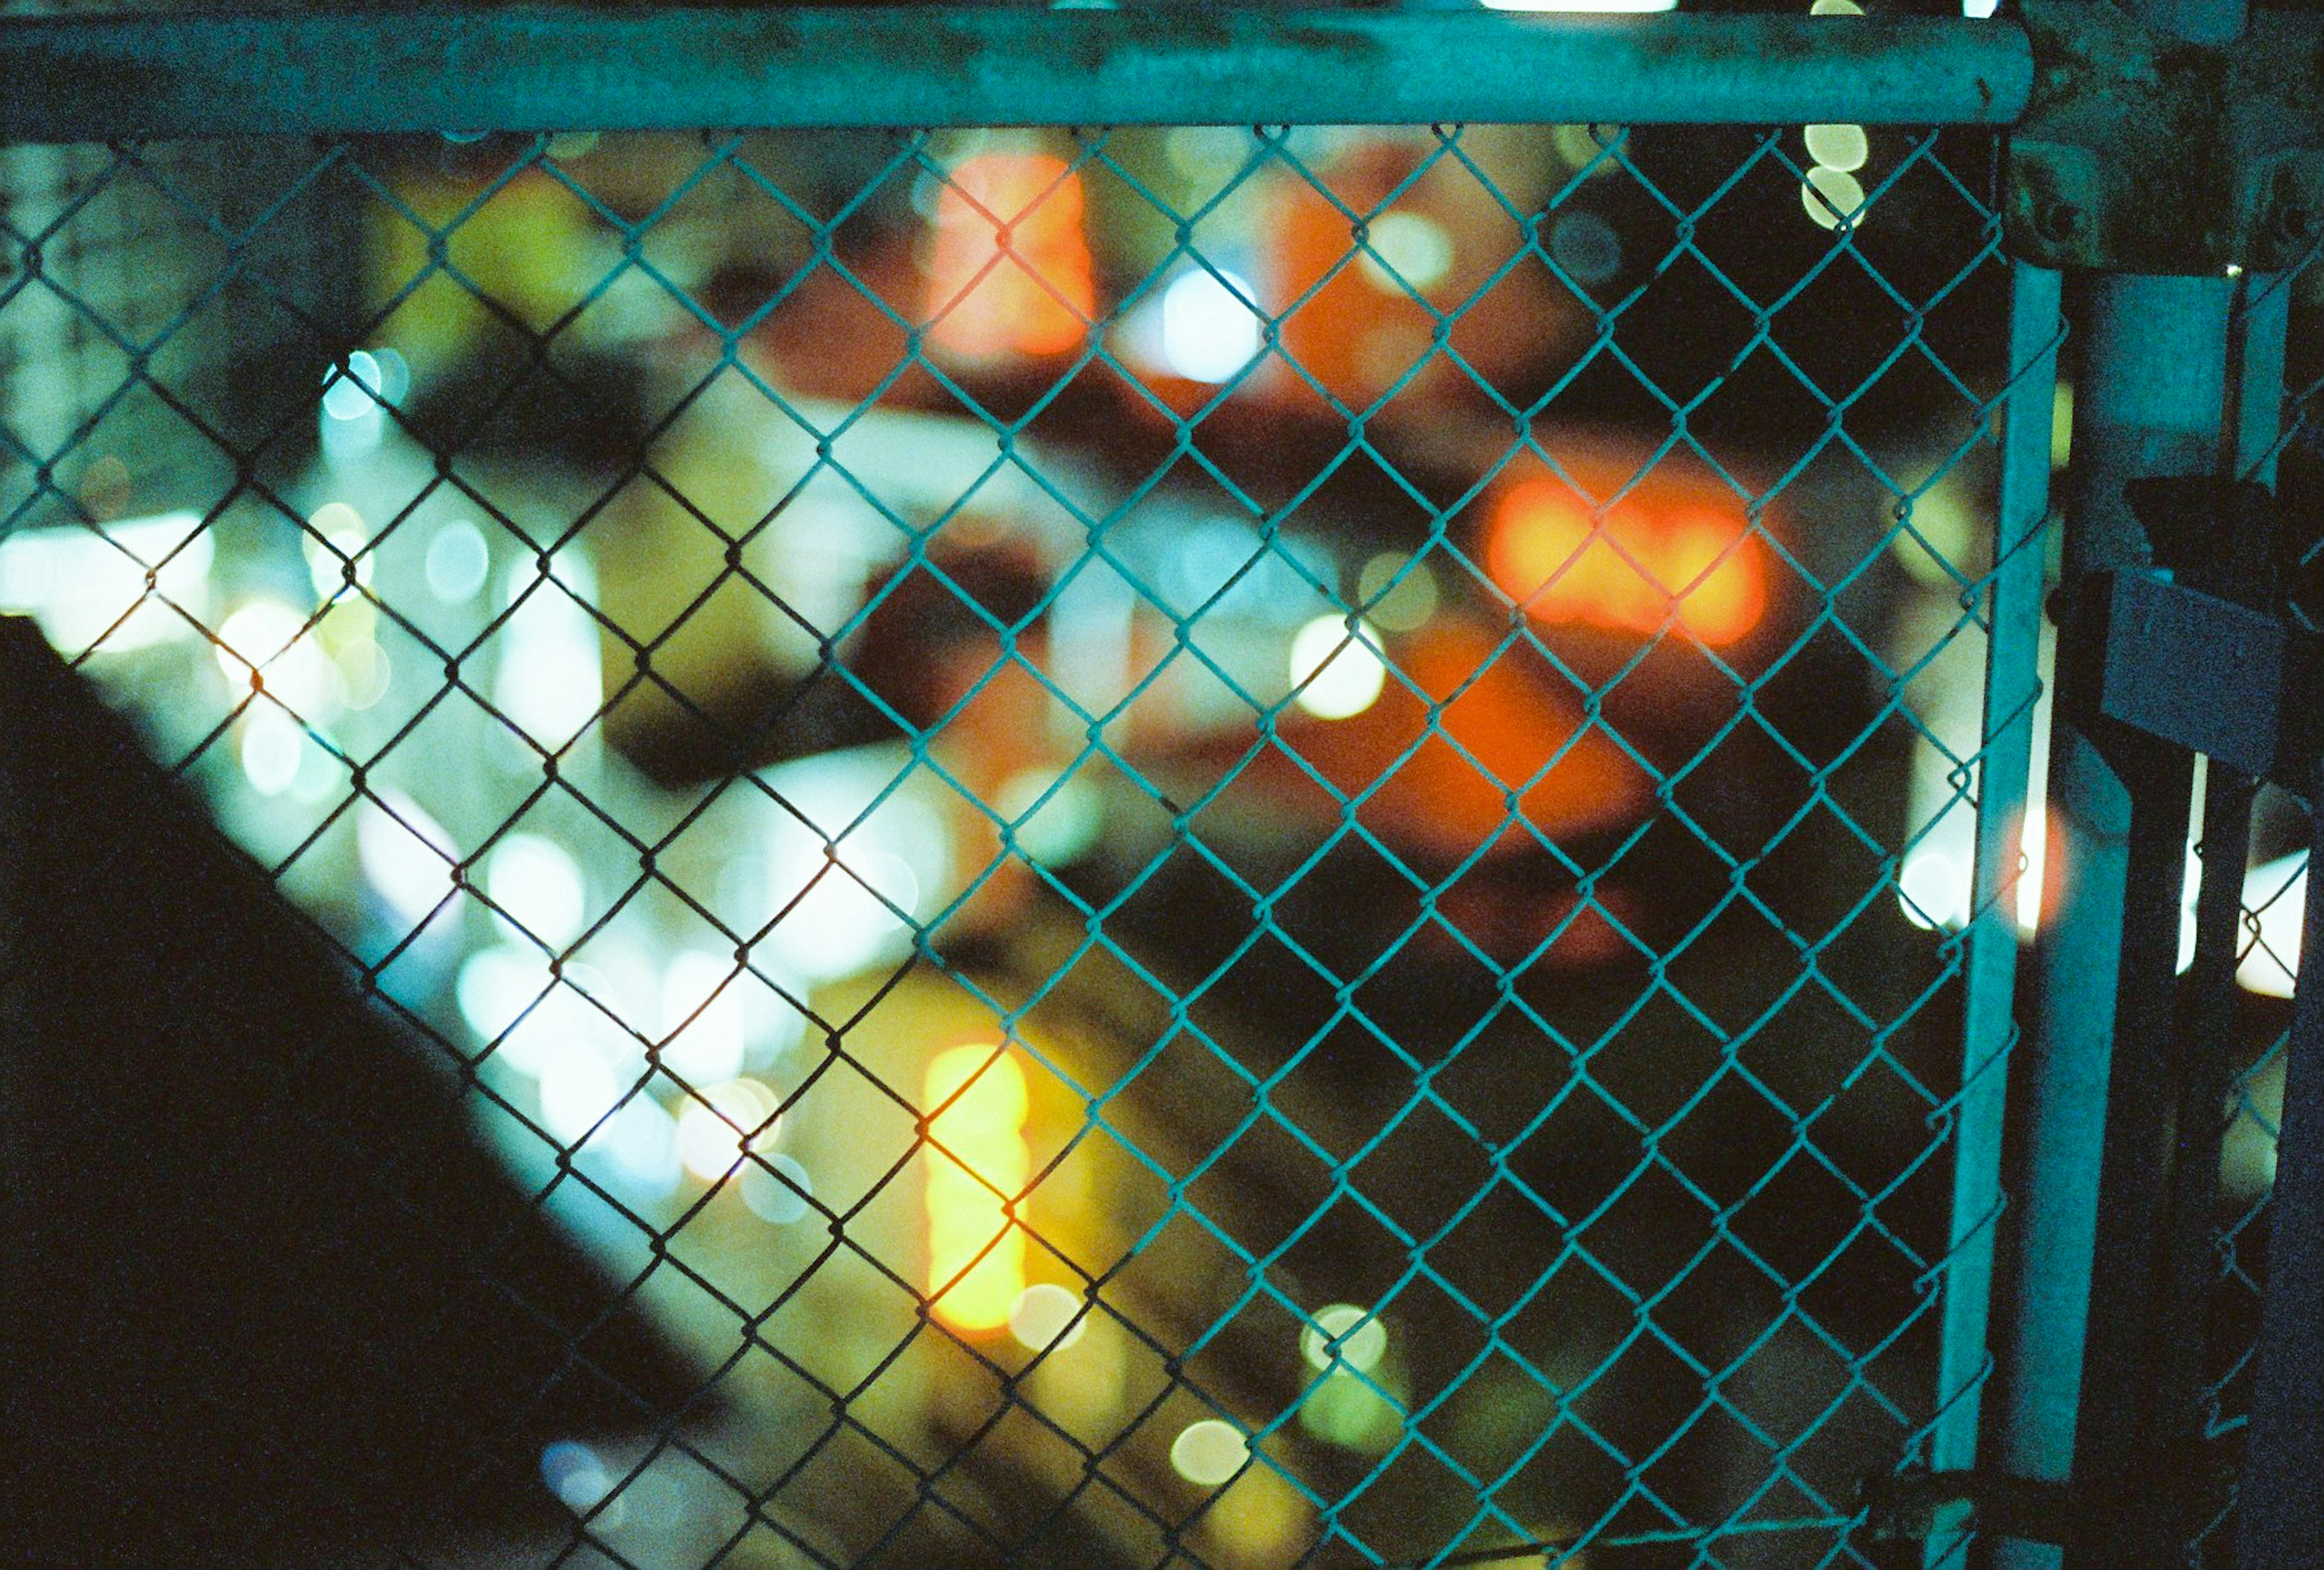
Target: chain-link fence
[1167, 846]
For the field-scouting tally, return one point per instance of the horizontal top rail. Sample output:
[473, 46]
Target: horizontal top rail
[560, 69]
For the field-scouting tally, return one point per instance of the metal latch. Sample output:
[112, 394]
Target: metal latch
[2141, 152]
[2196, 650]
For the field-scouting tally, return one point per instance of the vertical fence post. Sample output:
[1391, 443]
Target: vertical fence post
[2150, 401]
[2013, 684]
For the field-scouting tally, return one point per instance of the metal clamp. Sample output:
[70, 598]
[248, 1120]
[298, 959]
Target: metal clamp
[2141, 152]
[2196, 651]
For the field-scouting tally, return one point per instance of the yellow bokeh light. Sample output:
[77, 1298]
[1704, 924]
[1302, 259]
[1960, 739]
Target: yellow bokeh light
[1209, 1453]
[1842, 147]
[977, 1102]
[1343, 1333]
[1831, 197]
[1047, 1318]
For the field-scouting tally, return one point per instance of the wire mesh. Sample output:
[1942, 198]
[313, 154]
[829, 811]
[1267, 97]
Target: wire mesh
[1197, 847]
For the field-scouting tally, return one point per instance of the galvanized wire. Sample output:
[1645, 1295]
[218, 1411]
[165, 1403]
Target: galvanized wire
[1627, 1115]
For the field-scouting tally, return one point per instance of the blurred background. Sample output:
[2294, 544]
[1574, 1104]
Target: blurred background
[1195, 846]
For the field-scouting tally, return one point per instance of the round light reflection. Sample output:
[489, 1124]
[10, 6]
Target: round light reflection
[779, 1195]
[1841, 147]
[1831, 195]
[539, 886]
[1334, 673]
[1361, 1338]
[1047, 1318]
[712, 1124]
[1209, 1453]
[458, 562]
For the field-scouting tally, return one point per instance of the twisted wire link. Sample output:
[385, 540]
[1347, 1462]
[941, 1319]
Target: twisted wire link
[1632, 1157]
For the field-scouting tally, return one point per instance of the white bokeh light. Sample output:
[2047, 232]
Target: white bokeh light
[1362, 1340]
[1209, 1453]
[778, 1192]
[1047, 1318]
[406, 855]
[457, 563]
[550, 678]
[1933, 889]
[703, 1013]
[269, 636]
[577, 1089]
[712, 1124]
[1335, 674]
[538, 885]
[273, 748]
[1210, 327]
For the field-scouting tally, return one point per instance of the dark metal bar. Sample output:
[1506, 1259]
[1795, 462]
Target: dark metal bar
[2207, 994]
[547, 69]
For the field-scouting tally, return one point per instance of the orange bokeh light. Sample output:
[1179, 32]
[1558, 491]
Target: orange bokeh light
[1508, 725]
[1648, 563]
[1011, 273]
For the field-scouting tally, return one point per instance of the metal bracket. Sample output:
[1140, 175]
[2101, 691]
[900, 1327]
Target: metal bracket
[2196, 651]
[2203, 673]
[2141, 152]
[1920, 1506]
[1924, 1506]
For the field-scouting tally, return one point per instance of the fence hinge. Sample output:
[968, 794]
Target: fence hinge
[2141, 152]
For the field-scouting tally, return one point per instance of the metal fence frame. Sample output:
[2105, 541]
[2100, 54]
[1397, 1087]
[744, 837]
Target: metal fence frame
[117, 78]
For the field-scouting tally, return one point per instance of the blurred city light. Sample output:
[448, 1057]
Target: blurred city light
[458, 562]
[1011, 273]
[716, 1122]
[1210, 326]
[1334, 671]
[703, 1008]
[778, 1192]
[538, 885]
[80, 582]
[406, 855]
[1046, 1317]
[1361, 1336]
[1209, 1453]
[976, 1161]
[1638, 568]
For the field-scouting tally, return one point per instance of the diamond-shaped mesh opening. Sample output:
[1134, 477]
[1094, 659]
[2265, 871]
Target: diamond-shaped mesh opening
[1170, 847]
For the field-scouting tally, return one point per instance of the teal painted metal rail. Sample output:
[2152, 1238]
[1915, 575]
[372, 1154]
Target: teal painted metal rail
[570, 68]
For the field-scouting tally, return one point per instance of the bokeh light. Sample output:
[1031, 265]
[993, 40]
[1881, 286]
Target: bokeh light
[714, 1124]
[1334, 673]
[1209, 1453]
[1361, 1338]
[976, 1159]
[1047, 1318]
